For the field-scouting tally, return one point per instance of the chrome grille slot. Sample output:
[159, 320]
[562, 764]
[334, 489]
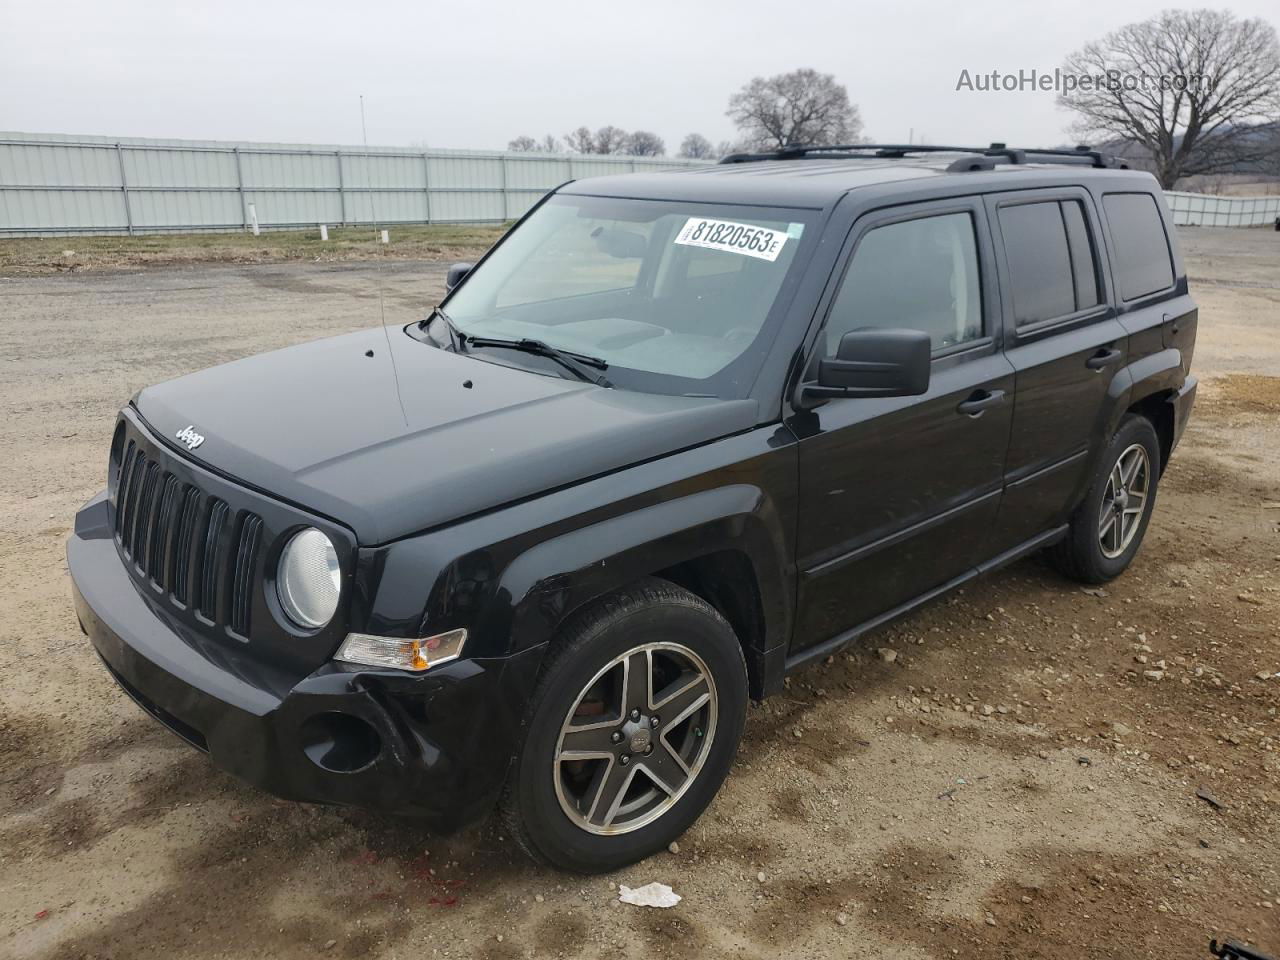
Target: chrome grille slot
[143, 515]
[129, 503]
[158, 545]
[122, 474]
[181, 580]
[210, 547]
[242, 574]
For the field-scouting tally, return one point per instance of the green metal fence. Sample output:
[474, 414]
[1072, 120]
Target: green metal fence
[54, 184]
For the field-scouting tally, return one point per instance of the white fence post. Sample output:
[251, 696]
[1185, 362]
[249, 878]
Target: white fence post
[426, 186]
[124, 187]
[244, 210]
[342, 193]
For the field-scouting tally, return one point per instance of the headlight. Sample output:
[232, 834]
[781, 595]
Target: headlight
[309, 579]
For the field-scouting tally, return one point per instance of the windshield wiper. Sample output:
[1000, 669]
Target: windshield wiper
[456, 336]
[575, 363]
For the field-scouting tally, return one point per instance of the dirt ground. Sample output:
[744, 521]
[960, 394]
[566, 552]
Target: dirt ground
[1010, 784]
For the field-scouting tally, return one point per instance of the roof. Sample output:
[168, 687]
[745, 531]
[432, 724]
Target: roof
[818, 182]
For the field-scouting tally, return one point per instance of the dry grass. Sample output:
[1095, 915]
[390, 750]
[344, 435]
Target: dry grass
[40, 255]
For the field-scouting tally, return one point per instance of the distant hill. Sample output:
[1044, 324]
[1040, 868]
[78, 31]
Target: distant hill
[1264, 135]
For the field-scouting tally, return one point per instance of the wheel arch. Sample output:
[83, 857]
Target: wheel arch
[1146, 387]
[1158, 409]
[723, 545]
[728, 581]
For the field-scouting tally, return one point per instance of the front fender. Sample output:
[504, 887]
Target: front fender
[551, 580]
[512, 576]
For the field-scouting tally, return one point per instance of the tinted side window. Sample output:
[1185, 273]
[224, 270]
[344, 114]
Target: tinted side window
[1040, 274]
[1083, 261]
[1142, 261]
[918, 274]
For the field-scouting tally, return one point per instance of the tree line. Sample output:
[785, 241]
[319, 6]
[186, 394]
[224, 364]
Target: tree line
[803, 106]
[1185, 93]
[615, 140]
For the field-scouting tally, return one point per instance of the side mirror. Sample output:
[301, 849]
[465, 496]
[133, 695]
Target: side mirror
[876, 363]
[457, 273]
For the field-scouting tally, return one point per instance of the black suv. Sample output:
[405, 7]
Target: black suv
[675, 437]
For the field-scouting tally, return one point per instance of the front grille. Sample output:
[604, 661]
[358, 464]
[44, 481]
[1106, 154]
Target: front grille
[201, 549]
[186, 543]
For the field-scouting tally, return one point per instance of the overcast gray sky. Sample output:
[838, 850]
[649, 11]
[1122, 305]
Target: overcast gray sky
[477, 74]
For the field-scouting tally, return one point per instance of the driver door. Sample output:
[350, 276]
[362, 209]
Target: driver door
[898, 495]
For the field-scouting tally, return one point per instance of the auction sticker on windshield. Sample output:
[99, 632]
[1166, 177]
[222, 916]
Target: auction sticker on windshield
[731, 237]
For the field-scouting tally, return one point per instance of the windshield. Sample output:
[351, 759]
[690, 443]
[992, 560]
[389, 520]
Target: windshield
[676, 297]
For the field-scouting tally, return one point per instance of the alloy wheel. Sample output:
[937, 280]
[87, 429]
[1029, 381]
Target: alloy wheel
[1124, 501]
[635, 739]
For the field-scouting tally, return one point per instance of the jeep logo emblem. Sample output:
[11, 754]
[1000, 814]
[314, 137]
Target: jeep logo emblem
[189, 436]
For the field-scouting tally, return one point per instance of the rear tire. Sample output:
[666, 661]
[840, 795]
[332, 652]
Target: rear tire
[1107, 527]
[631, 730]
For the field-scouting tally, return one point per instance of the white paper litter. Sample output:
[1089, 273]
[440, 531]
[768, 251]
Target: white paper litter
[650, 895]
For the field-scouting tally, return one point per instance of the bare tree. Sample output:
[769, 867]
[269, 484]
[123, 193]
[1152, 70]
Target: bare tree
[581, 140]
[1188, 88]
[803, 106]
[548, 144]
[696, 147]
[610, 139]
[643, 143]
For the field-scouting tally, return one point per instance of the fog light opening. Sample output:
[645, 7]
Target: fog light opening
[340, 742]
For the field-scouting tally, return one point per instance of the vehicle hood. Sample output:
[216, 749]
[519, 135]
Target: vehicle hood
[392, 439]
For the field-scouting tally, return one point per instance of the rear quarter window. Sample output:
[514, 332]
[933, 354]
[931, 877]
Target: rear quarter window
[1142, 260]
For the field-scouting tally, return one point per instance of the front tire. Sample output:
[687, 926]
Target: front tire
[1107, 528]
[631, 729]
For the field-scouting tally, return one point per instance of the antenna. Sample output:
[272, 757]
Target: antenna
[382, 307]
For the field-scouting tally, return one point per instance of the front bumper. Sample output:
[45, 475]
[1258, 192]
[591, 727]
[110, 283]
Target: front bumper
[435, 745]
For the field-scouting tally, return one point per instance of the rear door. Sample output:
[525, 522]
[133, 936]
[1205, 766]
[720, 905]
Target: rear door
[1066, 347]
[898, 495]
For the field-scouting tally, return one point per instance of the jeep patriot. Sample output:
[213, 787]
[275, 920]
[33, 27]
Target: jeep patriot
[675, 437]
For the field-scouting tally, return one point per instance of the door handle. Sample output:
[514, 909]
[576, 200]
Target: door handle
[1103, 358]
[980, 400]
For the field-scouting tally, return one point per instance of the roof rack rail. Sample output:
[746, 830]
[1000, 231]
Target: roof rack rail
[978, 158]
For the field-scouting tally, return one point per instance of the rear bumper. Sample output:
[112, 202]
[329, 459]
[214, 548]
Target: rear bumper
[435, 745]
[1182, 402]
